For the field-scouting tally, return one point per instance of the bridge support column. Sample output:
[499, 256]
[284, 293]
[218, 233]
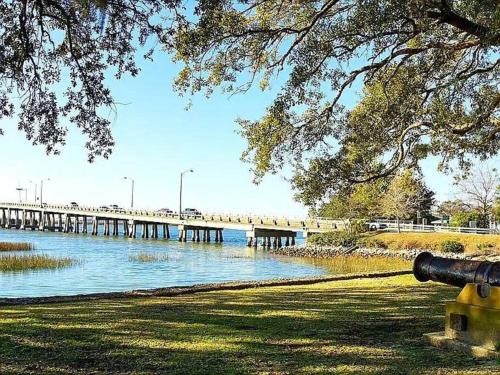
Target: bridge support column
[106, 227]
[76, 228]
[7, 219]
[181, 235]
[133, 232]
[95, 226]
[85, 227]
[23, 220]
[126, 229]
[145, 230]
[208, 235]
[166, 231]
[115, 227]
[66, 224]
[249, 241]
[154, 231]
[287, 242]
[16, 224]
[41, 223]
[216, 236]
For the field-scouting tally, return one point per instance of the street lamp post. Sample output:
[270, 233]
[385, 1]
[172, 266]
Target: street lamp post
[41, 191]
[19, 190]
[180, 191]
[36, 188]
[132, 194]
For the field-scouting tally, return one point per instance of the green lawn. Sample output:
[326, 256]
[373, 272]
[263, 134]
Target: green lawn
[349, 327]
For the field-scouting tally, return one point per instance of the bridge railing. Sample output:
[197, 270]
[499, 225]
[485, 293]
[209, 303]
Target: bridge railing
[322, 224]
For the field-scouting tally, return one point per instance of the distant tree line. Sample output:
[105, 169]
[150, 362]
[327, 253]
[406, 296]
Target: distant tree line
[406, 197]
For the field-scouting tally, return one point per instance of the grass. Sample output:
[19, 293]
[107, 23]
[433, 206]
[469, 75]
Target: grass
[14, 263]
[145, 257]
[16, 246]
[358, 264]
[351, 327]
[473, 243]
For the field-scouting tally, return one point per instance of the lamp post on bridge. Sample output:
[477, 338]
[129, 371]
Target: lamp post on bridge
[19, 190]
[41, 190]
[132, 194]
[180, 191]
[36, 188]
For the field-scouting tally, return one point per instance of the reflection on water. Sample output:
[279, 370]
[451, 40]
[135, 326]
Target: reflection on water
[105, 264]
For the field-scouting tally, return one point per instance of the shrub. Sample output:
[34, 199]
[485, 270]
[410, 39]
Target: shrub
[485, 247]
[343, 239]
[359, 226]
[450, 246]
[371, 242]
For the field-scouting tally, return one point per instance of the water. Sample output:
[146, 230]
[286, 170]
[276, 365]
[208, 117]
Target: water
[105, 265]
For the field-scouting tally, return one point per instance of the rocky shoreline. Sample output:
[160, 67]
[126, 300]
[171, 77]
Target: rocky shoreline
[332, 251]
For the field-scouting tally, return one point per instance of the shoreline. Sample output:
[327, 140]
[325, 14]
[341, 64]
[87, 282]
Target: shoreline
[194, 289]
[326, 252]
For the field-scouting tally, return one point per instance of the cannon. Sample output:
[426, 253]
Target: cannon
[456, 272]
[472, 322]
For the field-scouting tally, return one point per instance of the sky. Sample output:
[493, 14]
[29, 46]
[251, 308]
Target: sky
[157, 138]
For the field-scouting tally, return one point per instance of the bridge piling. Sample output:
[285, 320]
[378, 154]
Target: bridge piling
[133, 231]
[166, 231]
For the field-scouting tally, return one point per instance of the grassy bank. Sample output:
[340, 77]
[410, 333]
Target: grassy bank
[16, 263]
[340, 264]
[352, 327]
[473, 243]
[16, 246]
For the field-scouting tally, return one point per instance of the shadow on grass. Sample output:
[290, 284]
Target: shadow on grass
[348, 327]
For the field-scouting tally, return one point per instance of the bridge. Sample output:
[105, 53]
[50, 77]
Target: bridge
[266, 231]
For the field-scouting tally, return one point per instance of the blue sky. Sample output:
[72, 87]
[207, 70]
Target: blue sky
[156, 138]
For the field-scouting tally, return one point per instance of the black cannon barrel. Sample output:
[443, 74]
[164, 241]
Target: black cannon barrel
[457, 272]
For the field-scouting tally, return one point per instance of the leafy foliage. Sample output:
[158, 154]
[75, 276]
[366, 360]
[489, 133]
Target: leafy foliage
[428, 68]
[405, 195]
[339, 238]
[462, 219]
[451, 246]
[54, 56]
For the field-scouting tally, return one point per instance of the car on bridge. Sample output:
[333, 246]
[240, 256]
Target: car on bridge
[73, 205]
[165, 211]
[115, 207]
[104, 208]
[191, 212]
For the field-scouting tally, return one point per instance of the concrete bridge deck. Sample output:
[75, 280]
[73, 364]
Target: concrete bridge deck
[67, 219]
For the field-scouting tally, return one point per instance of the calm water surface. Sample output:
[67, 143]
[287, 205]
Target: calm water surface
[105, 264]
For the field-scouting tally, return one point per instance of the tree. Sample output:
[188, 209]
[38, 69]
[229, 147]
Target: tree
[428, 68]
[479, 191]
[403, 197]
[359, 204]
[54, 55]
[429, 71]
[453, 207]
